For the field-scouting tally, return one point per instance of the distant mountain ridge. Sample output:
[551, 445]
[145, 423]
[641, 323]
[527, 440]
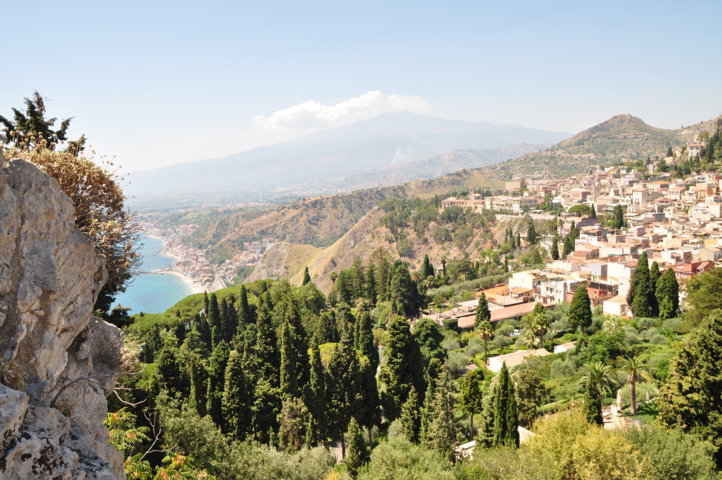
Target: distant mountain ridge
[347, 158]
[621, 138]
[320, 221]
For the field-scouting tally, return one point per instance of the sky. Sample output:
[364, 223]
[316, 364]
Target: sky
[157, 83]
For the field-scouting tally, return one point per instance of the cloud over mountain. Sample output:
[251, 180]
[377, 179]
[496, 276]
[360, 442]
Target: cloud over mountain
[313, 115]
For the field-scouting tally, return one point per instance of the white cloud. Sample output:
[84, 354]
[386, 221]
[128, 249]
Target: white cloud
[314, 115]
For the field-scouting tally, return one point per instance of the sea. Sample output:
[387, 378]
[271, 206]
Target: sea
[151, 292]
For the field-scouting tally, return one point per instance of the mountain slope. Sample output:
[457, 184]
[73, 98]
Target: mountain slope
[621, 138]
[309, 164]
[321, 221]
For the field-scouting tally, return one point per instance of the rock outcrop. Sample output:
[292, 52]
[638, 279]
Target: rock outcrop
[58, 363]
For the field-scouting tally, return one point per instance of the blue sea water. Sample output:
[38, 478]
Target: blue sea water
[153, 292]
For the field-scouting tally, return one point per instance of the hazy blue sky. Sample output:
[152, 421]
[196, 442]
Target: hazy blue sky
[156, 83]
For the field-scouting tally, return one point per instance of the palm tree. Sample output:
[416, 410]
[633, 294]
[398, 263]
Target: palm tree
[538, 322]
[601, 376]
[635, 370]
[486, 331]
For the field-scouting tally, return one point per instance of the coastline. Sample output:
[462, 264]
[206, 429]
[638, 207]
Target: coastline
[192, 285]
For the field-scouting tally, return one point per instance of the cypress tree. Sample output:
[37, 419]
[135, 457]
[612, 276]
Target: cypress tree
[618, 220]
[216, 381]
[518, 240]
[288, 363]
[483, 314]
[403, 291]
[342, 387]
[311, 432]
[531, 235]
[265, 359]
[654, 277]
[568, 246]
[555, 248]
[593, 212]
[442, 432]
[306, 277]
[690, 399]
[580, 310]
[364, 339]
[214, 313]
[244, 310]
[506, 421]
[316, 390]
[427, 270]
[410, 417]
[236, 401]
[593, 404]
[668, 293]
[641, 290]
[357, 455]
[471, 398]
[371, 289]
[267, 401]
[402, 369]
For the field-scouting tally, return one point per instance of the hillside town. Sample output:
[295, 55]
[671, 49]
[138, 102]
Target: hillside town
[194, 264]
[676, 221]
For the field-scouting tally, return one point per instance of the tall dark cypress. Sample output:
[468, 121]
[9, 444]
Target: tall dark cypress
[506, 421]
[315, 391]
[364, 339]
[237, 399]
[289, 385]
[402, 369]
[306, 277]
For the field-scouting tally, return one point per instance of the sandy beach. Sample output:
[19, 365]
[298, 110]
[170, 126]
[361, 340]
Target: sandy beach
[192, 285]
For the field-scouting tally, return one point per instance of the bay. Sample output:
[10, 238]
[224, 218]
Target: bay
[151, 292]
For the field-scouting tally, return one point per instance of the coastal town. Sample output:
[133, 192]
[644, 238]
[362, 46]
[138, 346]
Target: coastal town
[676, 220]
[193, 263]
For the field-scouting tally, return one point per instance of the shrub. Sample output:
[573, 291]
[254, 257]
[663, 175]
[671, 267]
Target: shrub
[100, 212]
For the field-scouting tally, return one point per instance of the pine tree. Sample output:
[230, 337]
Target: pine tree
[306, 277]
[668, 294]
[410, 417]
[402, 369]
[580, 310]
[236, 399]
[357, 454]
[555, 248]
[471, 396]
[690, 399]
[442, 432]
[506, 421]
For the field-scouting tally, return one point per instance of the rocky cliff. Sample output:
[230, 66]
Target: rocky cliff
[58, 362]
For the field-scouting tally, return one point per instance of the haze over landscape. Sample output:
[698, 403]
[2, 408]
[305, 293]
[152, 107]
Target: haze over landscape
[334, 241]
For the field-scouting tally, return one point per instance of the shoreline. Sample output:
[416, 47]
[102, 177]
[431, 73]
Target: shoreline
[193, 286]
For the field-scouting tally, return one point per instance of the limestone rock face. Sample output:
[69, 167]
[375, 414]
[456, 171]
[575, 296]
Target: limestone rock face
[58, 362]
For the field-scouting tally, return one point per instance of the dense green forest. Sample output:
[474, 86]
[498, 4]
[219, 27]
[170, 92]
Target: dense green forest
[268, 380]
